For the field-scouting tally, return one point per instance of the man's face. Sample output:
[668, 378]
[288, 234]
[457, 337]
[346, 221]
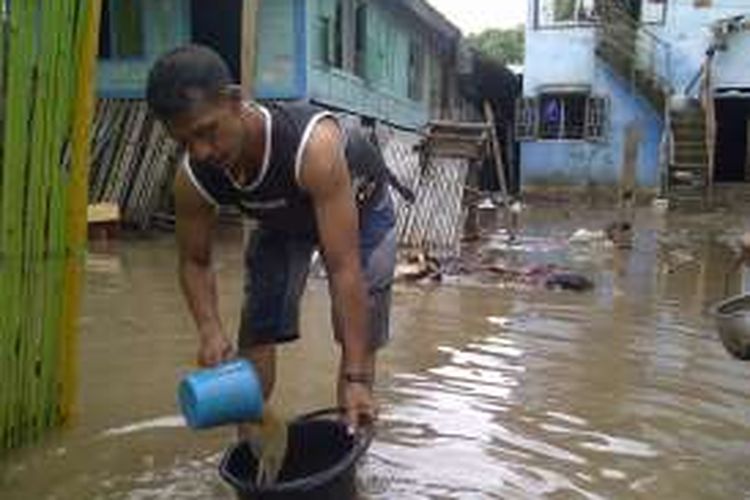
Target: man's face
[212, 132]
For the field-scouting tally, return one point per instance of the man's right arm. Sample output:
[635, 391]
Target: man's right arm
[195, 224]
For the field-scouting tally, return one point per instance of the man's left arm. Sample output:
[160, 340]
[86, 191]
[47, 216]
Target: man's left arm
[325, 176]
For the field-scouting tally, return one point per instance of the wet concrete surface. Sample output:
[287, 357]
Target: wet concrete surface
[490, 388]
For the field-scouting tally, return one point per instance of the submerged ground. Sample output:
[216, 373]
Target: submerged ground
[491, 388]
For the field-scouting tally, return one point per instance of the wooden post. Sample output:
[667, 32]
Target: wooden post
[496, 152]
[709, 110]
[622, 231]
[511, 219]
[629, 164]
[248, 53]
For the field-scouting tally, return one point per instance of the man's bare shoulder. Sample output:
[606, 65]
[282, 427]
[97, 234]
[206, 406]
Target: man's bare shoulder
[188, 199]
[323, 162]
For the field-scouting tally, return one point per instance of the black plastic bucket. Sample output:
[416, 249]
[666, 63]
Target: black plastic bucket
[320, 463]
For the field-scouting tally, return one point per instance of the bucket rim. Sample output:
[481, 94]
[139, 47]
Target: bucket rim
[362, 441]
[718, 309]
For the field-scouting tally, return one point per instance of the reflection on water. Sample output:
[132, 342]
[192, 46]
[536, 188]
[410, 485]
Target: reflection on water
[487, 391]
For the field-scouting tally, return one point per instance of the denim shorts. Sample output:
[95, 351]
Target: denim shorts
[277, 265]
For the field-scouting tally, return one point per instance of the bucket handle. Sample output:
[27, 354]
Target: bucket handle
[365, 432]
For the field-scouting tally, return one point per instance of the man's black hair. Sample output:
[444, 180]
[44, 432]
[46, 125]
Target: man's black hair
[185, 77]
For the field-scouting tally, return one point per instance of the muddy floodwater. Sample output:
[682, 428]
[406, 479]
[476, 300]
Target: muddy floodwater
[489, 388]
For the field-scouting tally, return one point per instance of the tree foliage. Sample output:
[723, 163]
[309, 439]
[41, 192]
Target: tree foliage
[504, 45]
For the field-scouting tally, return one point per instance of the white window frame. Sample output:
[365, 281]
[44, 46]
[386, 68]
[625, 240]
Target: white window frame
[596, 119]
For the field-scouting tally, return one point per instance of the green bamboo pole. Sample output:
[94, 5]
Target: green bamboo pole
[48, 292]
[30, 228]
[47, 79]
[15, 147]
[57, 243]
[4, 348]
[49, 82]
[34, 226]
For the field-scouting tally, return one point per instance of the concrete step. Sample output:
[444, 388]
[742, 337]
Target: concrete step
[700, 162]
[688, 136]
[687, 147]
[689, 118]
[696, 124]
[695, 195]
[692, 145]
[687, 179]
[691, 167]
[690, 155]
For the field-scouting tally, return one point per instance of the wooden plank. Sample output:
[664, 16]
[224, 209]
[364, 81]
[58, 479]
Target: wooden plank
[141, 179]
[470, 152]
[129, 159]
[710, 123]
[446, 137]
[152, 164]
[495, 142]
[112, 137]
[452, 125]
[138, 171]
[510, 218]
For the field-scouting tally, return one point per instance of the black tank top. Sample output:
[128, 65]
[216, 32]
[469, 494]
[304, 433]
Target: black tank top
[274, 198]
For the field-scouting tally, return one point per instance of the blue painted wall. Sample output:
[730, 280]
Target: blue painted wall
[565, 56]
[733, 65]
[559, 56]
[582, 162]
[166, 24]
[687, 30]
[280, 72]
[384, 92]
[286, 66]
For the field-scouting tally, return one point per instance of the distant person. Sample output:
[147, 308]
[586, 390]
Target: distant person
[309, 184]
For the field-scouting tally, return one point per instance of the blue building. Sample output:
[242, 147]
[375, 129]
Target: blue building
[389, 64]
[674, 72]
[389, 60]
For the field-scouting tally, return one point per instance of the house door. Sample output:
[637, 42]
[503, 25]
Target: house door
[732, 140]
[218, 24]
[634, 8]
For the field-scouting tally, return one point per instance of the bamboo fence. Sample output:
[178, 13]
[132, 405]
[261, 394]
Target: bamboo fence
[435, 221]
[47, 58]
[133, 160]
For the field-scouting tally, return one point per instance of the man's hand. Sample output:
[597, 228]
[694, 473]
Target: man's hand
[358, 403]
[214, 349]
